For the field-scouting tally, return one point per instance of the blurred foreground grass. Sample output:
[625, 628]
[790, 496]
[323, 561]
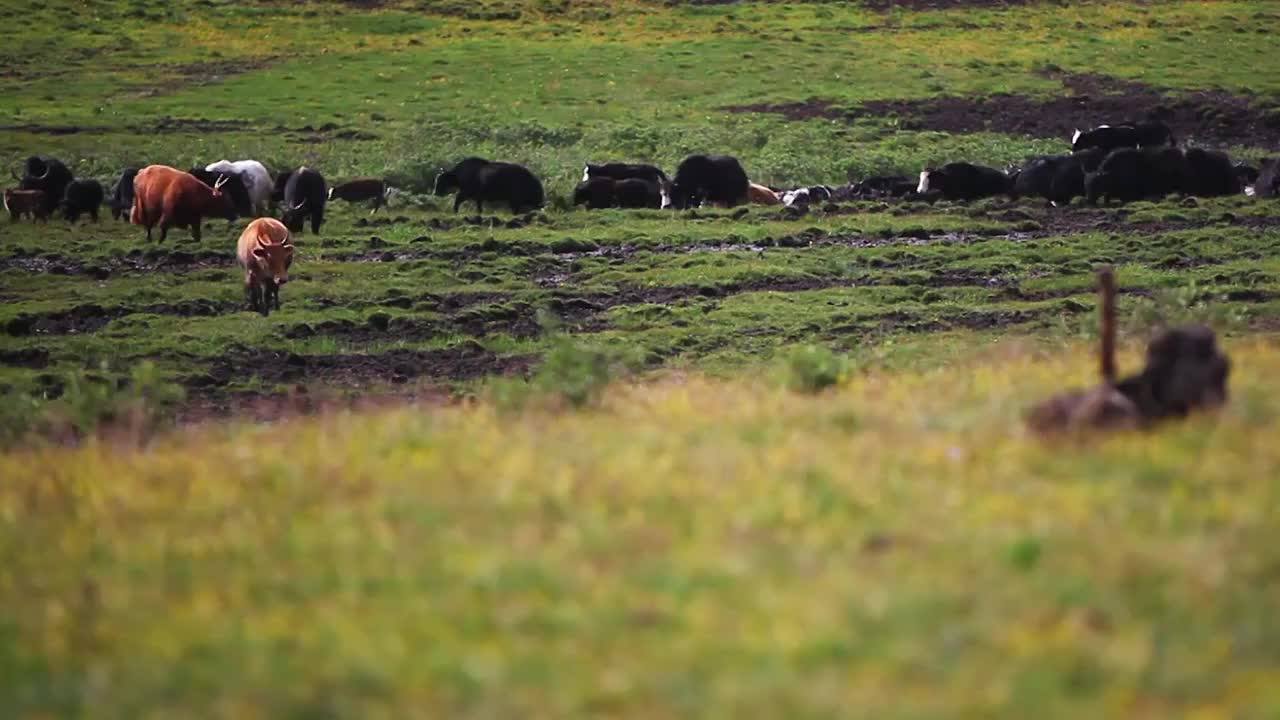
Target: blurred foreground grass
[893, 547]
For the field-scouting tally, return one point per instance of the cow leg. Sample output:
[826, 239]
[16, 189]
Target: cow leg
[94, 214]
[164, 229]
[196, 229]
[457, 201]
[250, 298]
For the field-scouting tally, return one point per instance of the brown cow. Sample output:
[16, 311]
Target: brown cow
[265, 252]
[360, 190]
[28, 202]
[168, 197]
[762, 195]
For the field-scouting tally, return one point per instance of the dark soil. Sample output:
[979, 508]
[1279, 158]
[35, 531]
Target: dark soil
[1088, 99]
[102, 268]
[465, 361]
[92, 317]
[35, 358]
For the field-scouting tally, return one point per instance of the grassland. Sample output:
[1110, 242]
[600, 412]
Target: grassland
[698, 540]
[894, 548]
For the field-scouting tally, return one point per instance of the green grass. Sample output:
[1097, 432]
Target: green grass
[763, 466]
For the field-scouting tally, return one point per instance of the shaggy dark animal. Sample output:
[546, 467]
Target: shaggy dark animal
[636, 193]
[964, 181]
[80, 197]
[1209, 173]
[122, 195]
[596, 193]
[305, 194]
[482, 181]
[48, 175]
[1185, 371]
[1132, 174]
[1057, 178]
[716, 179]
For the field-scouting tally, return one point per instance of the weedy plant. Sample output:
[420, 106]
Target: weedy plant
[814, 368]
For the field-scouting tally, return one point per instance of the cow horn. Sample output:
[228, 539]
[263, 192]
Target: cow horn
[222, 180]
[300, 205]
[44, 174]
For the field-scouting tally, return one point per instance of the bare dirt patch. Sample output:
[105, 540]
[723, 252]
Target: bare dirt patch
[1088, 99]
[92, 317]
[464, 361]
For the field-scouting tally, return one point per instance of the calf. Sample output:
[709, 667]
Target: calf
[963, 181]
[716, 179]
[362, 190]
[168, 197]
[26, 202]
[761, 195]
[82, 196]
[265, 252]
[481, 181]
[1114, 137]
[122, 194]
[1132, 174]
[304, 195]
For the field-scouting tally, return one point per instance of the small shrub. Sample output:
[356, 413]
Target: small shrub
[813, 368]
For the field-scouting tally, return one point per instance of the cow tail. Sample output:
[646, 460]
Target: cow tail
[137, 213]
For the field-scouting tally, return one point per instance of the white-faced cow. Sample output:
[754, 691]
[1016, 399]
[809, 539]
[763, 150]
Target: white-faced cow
[964, 181]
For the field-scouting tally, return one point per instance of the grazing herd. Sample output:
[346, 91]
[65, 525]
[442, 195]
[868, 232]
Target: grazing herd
[1120, 162]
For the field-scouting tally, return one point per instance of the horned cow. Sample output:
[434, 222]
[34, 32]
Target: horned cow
[257, 181]
[168, 197]
[265, 252]
[47, 174]
[304, 196]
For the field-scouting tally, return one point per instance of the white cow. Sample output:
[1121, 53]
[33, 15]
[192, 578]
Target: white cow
[257, 181]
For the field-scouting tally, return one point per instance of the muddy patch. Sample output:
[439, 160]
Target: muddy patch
[206, 72]
[1088, 99]
[35, 358]
[103, 267]
[92, 317]
[464, 361]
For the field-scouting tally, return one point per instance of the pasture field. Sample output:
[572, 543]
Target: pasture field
[700, 537]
